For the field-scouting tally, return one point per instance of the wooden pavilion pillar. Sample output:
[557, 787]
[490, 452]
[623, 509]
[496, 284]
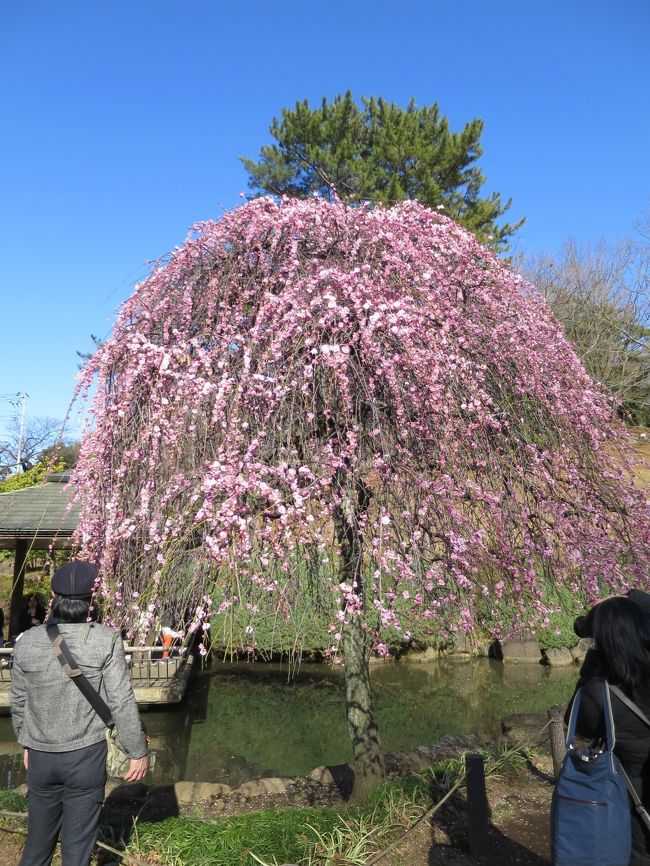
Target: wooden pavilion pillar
[18, 586]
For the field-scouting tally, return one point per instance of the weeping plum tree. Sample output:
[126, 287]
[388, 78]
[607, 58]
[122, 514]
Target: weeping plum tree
[360, 403]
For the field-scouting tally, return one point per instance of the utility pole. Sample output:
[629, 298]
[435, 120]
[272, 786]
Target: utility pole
[21, 436]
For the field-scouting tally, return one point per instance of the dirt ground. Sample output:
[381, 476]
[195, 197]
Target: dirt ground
[518, 833]
[10, 848]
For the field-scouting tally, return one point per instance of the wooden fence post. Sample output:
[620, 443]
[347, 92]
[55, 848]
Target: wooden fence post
[556, 734]
[477, 805]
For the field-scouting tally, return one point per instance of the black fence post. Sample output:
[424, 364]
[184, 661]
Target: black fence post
[477, 805]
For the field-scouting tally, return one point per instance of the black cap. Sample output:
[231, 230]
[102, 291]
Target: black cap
[75, 579]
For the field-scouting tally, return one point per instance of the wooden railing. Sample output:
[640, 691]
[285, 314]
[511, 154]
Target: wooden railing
[146, 664]
[5, 666]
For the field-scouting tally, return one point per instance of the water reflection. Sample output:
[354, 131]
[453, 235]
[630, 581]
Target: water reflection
[242, 721]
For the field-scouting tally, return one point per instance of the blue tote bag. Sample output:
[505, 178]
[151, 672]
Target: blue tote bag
[590, 810]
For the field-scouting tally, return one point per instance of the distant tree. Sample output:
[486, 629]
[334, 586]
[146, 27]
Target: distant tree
[64, 454]
[383, 153]
[358, 407]
[601, 295]
[22, 448]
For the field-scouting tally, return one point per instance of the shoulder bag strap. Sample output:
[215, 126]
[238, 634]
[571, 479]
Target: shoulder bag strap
[638, 805]
[72, 669]
[628, 703]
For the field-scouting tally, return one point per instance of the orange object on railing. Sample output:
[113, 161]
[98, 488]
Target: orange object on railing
[167, 640]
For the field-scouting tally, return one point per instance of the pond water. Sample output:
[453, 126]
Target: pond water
[243, 721]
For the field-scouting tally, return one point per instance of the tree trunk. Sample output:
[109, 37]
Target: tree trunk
[366, 748]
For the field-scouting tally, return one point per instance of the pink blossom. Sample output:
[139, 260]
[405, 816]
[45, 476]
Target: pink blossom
[293, 355]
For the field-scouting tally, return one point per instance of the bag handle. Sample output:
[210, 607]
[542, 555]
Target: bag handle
[72, 669]
[610, 731]
[573, 718]
[609, 716]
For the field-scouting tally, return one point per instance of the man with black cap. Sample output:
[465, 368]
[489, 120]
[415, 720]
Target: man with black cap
[61, 734]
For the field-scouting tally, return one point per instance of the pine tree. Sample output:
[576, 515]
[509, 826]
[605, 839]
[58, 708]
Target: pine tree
[380, 152]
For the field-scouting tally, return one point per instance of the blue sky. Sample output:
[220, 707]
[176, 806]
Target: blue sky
[122, 121]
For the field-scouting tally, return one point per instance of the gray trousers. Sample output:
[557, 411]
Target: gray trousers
[65, 795]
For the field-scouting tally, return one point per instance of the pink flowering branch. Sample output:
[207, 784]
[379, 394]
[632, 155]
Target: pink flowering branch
[304, 377]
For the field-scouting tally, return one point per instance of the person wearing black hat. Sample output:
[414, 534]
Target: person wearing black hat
[61, 734]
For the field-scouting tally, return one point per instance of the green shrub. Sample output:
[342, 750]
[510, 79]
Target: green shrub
[12, 801]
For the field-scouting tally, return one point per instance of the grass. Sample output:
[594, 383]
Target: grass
[230, 841]
[568, 605]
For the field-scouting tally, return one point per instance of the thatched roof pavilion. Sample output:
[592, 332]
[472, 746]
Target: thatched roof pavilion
[35, 518]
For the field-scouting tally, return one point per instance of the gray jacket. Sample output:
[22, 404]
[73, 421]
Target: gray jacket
[48, 711]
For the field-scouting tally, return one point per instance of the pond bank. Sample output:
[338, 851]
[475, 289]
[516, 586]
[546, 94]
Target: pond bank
[518, 798]
[396, 827]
